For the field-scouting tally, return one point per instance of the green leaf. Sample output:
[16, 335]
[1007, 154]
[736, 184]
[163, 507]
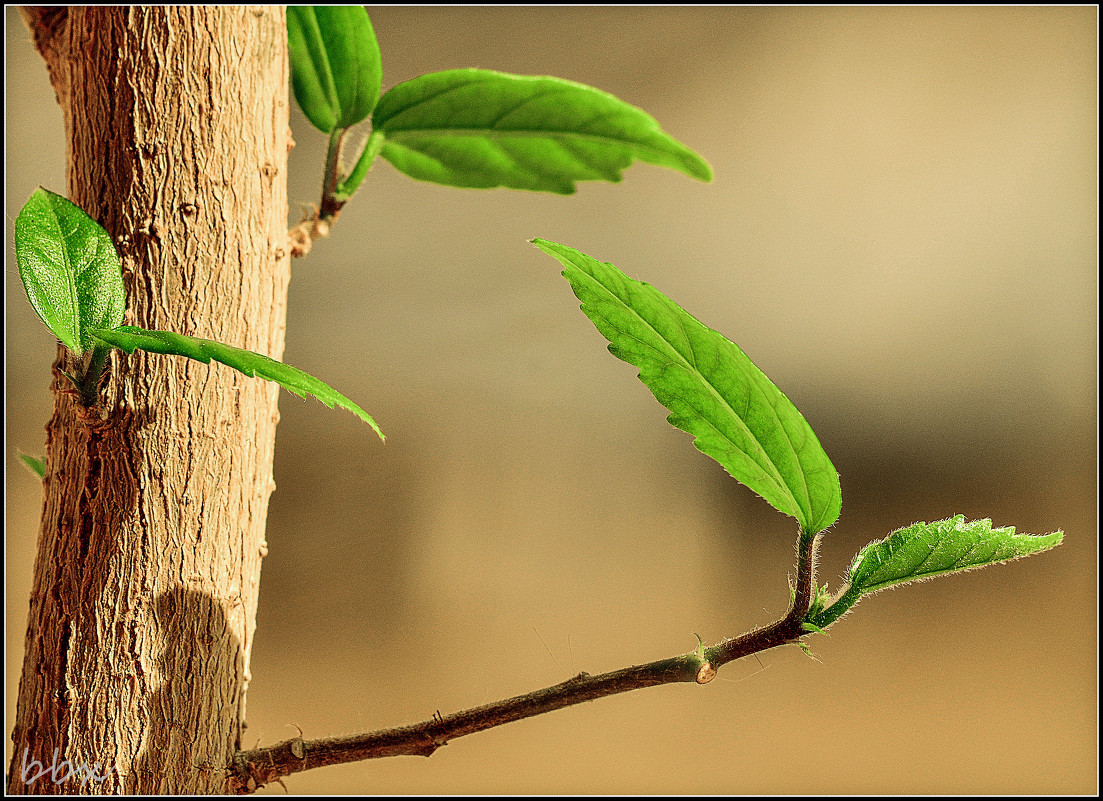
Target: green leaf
[481, 129]
[69, 268]
[712, 389]
[925, 550]
[36, 466]
[130, 338]
[336, 69]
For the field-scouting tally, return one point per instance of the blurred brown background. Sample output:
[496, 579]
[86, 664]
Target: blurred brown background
[901, 233]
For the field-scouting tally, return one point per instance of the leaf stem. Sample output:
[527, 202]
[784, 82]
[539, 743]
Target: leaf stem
[788, 629]
[837, 608]
[254, 768]
[331, 207]
[336, 191]
[90, 379]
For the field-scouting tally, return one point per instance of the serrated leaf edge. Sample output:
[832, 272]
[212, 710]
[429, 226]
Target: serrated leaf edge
[809, 527]
[693, 164]
[956, 520]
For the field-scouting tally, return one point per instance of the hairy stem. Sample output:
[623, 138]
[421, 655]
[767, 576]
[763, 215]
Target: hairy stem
[253, 769]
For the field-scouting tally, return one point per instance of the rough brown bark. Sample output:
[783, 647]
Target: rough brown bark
[148, 565]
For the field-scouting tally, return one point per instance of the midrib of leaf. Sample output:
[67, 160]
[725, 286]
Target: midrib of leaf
[525, 101]
[867, 589]
[512, 133]
[71, 280]
[533, 170]
[250, 363]
[772, 468]
[651, 155]
[424, 130]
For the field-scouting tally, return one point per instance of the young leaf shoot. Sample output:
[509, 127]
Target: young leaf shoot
[70, 270]
[925, 550]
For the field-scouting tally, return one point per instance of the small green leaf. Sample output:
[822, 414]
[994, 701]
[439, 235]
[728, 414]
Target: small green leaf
[336, 70]
[69, 268]
[712, 389]
[925, 550]
[481, 129]
[130, 338]
[812, 627]
[36, 466]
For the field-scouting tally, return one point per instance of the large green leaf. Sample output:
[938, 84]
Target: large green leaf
[480, 129]
[69, 268]
[712, 389]
[130, 338]
[336, 70]
[925, 550]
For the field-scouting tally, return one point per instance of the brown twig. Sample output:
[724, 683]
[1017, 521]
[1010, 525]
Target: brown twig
[48, 25]
[255, 768]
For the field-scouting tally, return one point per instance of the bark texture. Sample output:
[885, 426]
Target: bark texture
[148, 565]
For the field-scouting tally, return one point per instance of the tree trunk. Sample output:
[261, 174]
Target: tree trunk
[148, 566]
